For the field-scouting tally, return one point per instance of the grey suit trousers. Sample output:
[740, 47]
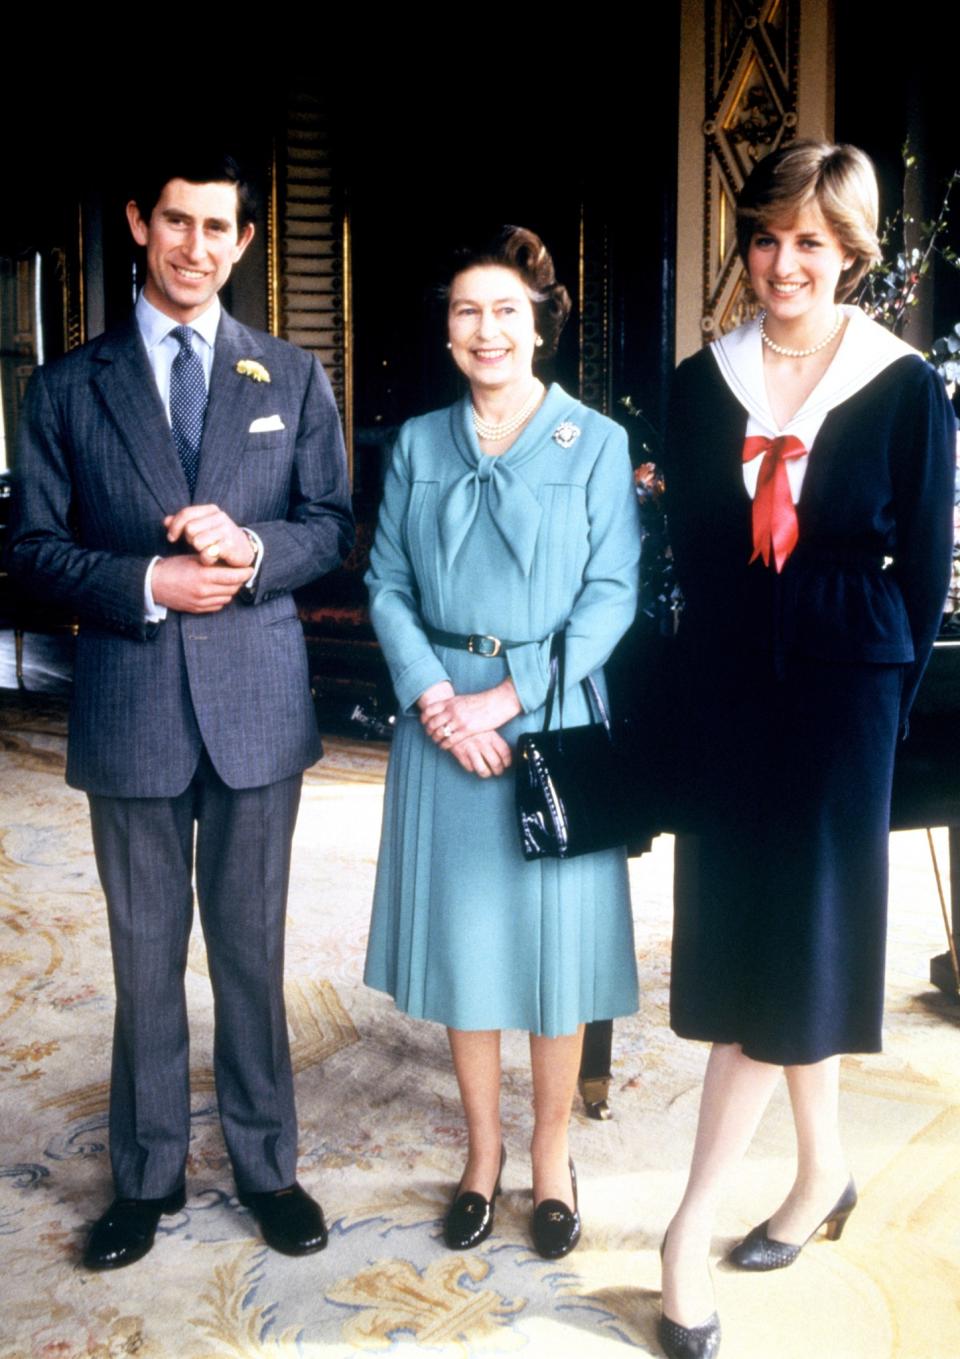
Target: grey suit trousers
[145, 856]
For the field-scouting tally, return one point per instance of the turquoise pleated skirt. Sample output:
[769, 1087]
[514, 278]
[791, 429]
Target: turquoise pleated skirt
[464, 930]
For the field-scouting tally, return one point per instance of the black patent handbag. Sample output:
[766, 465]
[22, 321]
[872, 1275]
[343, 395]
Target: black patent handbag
[573, 784]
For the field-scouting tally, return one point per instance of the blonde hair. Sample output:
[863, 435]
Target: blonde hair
[839, 180]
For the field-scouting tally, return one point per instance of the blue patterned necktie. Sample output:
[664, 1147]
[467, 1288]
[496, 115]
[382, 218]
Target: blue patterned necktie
[188, 403]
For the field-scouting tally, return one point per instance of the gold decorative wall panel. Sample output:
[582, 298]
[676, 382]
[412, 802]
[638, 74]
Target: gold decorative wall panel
[750, 99]
[593, 311]
[753, 74]
[308, 246]
[18, 341]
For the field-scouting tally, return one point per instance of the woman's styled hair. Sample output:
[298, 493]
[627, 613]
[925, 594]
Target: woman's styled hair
[840, 180]
[516, 248]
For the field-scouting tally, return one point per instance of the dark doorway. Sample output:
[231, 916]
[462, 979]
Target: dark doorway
[590, 181]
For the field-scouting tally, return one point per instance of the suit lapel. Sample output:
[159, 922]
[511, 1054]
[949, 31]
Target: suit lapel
[129, 391]
[233, 403]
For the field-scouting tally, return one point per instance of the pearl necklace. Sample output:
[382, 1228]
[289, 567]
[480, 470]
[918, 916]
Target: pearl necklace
[800, 353]
[494, 433]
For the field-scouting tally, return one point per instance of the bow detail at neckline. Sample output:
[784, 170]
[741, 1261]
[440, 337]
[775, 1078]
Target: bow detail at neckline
[775, 526]
[514, 511]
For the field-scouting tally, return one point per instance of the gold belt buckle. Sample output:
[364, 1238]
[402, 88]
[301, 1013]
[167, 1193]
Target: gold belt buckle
[482, 644]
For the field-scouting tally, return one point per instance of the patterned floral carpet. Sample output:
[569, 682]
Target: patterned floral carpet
[381, 1141]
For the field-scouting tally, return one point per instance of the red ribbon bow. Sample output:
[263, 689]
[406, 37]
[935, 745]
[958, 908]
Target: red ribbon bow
[775, 529]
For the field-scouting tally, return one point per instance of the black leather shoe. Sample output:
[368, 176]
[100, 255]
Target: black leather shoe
[689, 1342]
[290, 1221]
[125, 1232]
[556, 1230]
[758, 1251]
[470, 1217]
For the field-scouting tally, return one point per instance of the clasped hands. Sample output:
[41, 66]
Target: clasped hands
[466, 725]
[205, 580]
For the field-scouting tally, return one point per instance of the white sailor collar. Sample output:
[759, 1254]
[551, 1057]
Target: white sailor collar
[864, 351]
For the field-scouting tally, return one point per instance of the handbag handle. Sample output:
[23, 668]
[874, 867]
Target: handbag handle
[557, 681]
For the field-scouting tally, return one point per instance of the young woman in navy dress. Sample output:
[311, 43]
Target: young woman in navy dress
[810, 473]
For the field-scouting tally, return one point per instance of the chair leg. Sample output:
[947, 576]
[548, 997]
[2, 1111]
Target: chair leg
[945, 968]
[18, 652]
[595, 1068]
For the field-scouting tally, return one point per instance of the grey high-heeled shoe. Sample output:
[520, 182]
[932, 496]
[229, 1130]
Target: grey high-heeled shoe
[688, 1342]
[758, 1251]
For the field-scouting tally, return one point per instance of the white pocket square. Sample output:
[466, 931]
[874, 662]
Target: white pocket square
[264, 423]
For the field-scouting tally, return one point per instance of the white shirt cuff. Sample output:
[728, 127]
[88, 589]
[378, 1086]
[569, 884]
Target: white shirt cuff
[257, 542]
[152, 611]
[156, 613]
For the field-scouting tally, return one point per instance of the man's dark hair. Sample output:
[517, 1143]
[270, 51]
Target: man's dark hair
[196, 166]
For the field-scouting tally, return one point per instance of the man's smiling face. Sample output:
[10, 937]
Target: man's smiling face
[192, 243]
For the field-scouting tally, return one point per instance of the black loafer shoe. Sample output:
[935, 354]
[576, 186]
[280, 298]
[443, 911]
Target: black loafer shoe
[289, 1219]
[469, 1219]
[125, 1232]
[556, 1229]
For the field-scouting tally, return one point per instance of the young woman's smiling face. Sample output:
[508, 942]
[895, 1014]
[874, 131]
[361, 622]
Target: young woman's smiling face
[795, 268]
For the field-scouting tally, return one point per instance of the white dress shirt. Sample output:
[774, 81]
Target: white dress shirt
[162, 348]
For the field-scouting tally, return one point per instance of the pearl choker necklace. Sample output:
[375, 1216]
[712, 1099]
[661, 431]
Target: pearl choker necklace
[800, 353]
[494, 433]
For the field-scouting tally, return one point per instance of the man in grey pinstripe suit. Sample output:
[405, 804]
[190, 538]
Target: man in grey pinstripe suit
[191, 710]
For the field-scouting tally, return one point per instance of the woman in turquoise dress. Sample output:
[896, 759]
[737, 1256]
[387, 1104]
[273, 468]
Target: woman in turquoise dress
[505, 517]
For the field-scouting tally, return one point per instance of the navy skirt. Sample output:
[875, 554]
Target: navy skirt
[781, 896]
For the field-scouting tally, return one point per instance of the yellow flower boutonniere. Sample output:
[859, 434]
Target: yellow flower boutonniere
[251, 369]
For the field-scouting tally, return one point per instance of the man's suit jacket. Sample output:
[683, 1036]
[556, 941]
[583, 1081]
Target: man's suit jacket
[97, 472]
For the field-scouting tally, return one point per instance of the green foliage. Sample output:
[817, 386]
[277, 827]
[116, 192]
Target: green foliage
[887, 293]
[891, 287]
[945, 355]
